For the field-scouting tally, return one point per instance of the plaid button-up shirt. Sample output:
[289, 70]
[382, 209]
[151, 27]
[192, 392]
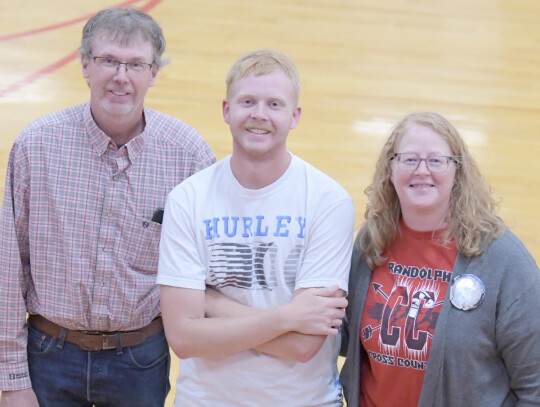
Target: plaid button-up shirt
[77, 238]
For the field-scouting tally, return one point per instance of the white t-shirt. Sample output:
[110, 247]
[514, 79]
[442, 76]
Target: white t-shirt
[258, 247]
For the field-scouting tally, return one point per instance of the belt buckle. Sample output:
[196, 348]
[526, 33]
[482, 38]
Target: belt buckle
[106, 344]
[91, 342]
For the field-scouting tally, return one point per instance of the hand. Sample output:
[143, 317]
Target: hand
[317, 311]
[19, 398]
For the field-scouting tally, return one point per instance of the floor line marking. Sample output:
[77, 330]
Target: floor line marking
[58, 25]
[61, 62]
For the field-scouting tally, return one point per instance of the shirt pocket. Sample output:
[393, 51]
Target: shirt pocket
[144, 247]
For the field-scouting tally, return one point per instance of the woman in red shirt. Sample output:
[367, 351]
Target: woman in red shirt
[443, 299]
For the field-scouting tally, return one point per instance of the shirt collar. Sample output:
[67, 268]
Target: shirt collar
[101, 141]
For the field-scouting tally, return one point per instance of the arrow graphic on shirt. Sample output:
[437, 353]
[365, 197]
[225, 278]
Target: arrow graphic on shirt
[377, 288]
[367, 332]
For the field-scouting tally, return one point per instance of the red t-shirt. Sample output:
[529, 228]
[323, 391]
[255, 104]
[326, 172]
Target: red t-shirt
[402, 306]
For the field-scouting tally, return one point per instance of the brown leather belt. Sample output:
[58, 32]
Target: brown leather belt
[95, 340]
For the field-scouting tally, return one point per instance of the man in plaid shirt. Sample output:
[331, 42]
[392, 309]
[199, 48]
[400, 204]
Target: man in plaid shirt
[80, 227]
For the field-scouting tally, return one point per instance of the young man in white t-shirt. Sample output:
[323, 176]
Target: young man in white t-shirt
[254, 258]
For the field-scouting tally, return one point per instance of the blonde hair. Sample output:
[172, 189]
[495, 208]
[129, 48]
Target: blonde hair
[264, 62]
[471, 219]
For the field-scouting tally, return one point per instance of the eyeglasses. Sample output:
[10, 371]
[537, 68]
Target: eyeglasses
[111, 64]
[434, 163]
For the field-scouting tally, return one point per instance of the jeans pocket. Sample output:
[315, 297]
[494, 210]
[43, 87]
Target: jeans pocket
[38, 342]
[149, 353]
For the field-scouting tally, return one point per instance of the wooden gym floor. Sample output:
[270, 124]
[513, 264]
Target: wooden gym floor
[364, 64]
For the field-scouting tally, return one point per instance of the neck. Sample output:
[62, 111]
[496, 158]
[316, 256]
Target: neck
[258, 173]
[425, 221]
[120, 128]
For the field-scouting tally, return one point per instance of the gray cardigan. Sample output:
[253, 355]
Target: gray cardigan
[485, 357]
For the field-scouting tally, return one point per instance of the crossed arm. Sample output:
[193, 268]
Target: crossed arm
[296, 329]
[295, 345]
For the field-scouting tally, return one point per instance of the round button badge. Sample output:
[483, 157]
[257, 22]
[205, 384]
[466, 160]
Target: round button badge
[467, 292]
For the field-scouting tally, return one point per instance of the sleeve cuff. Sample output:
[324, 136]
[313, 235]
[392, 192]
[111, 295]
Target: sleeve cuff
[14, 376]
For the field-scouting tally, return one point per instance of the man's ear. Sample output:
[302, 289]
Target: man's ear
[297, 112]
[154, 71]
[84, 64]
[225, 108]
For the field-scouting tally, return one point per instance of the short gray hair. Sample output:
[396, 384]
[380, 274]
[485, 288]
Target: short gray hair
[122, 24]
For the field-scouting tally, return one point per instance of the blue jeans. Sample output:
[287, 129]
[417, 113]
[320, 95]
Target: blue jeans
[64, 375]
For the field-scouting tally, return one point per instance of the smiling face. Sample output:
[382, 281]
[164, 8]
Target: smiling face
[260, 111]
[423, 195]
[118, 92]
